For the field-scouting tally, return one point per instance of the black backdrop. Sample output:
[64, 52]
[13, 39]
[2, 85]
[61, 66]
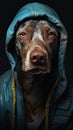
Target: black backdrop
[8, 9]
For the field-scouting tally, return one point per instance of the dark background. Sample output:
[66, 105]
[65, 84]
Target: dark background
[8, 9]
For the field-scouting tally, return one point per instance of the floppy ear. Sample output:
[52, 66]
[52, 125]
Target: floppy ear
[18, 46]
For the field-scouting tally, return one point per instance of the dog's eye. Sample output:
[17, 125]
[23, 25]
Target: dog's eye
[51, 33]
[22, 33]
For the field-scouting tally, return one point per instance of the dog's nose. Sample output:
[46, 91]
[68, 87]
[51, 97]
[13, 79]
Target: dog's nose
[38, 57]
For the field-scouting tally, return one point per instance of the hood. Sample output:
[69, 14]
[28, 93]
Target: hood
[36, 9]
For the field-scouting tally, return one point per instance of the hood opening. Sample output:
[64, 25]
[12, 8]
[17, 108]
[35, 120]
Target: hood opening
[39, 17]
[11, 47]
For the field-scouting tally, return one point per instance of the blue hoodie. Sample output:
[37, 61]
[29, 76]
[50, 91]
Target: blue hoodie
[12, 108]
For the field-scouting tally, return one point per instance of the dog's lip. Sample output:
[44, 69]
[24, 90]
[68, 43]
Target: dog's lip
[38, 70]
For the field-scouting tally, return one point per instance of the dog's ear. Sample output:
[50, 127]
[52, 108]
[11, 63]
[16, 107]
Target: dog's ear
[18, 46]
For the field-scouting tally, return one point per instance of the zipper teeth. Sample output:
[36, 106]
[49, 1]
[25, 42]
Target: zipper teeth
[47, 106]
[13, 103]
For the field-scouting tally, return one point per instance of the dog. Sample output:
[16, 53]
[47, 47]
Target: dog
[36, 45]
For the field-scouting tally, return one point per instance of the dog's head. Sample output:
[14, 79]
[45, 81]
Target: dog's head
[35, 41]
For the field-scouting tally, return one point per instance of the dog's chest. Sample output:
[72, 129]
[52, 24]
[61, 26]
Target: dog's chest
[34, 112]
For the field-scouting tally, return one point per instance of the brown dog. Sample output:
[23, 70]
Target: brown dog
[36, 42]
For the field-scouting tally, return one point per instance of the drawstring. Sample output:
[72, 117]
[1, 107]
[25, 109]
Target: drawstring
[13, 103]
[47, 107]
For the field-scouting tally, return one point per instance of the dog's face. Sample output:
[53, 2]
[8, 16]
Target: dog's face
[35, 40]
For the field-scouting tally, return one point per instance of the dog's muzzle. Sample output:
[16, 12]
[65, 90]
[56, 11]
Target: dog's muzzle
[38, 62]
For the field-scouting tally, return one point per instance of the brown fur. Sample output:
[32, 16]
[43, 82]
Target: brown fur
[36, 80]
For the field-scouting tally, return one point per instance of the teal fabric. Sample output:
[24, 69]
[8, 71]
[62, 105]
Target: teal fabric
[61, 113]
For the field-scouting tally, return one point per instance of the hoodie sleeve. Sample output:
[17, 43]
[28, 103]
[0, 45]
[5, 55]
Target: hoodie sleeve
[5, 101]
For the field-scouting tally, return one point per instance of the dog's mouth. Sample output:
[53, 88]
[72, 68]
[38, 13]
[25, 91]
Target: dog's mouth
[38, 70]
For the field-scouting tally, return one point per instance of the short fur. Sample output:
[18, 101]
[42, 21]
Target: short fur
[36, 44]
